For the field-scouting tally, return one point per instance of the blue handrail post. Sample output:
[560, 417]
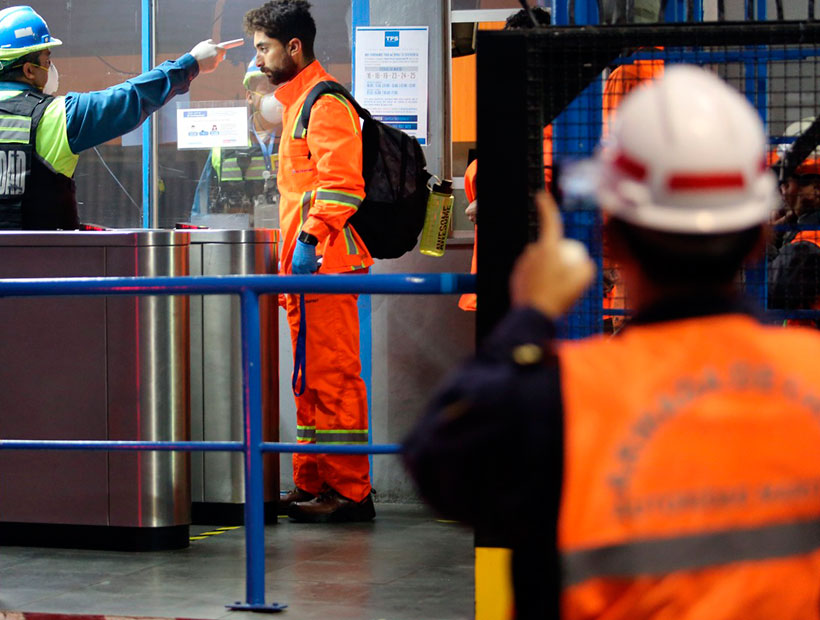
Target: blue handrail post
[254, 476]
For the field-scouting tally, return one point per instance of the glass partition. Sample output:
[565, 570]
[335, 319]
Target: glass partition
[102, 46]
[190, 189]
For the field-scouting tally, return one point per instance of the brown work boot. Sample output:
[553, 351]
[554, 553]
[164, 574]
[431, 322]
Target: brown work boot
[294, 495]
[331, 507]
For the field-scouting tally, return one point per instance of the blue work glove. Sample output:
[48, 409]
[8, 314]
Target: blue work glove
[304, 258]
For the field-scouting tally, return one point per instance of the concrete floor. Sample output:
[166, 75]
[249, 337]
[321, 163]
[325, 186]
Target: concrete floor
[405, 565]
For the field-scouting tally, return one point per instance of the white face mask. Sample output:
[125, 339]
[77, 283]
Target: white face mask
[53, 81]
[271, 109]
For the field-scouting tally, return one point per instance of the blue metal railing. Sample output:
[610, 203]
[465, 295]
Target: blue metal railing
[249, 288]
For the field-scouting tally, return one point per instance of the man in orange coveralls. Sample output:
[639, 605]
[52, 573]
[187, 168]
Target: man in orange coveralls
[320, 185]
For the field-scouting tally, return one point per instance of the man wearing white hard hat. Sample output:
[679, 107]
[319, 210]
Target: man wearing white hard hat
[41, 135]
[669, 471]
[244, 180]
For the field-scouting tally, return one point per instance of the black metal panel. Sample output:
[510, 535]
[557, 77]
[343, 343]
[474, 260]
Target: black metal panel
[525, 80]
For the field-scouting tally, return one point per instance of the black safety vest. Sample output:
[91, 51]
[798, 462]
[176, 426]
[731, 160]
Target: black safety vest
[32, 195]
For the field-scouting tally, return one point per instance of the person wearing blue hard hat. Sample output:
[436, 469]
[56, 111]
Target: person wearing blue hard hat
[41, 135]
[243, 180]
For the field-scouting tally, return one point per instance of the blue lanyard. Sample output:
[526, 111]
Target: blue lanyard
[300, 353]
[267, 147]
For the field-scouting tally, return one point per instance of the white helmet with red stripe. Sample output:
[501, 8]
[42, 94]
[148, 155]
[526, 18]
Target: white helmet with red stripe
[687, 154]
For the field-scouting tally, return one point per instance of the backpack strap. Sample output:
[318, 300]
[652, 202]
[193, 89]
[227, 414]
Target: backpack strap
[326, 87]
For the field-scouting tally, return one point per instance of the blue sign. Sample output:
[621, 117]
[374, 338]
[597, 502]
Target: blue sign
[391, 38]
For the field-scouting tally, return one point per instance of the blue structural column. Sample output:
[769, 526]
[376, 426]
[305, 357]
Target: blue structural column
[360, 16]
[675, 11]
[147, 59]
[576, 132]
[560, 12]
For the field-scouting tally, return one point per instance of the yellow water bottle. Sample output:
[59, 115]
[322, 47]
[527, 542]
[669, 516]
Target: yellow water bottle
[437, 219]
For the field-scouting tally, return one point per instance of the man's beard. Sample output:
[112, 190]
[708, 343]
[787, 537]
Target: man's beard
[283, 74]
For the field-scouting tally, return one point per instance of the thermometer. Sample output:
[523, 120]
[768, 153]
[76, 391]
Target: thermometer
[231, 44]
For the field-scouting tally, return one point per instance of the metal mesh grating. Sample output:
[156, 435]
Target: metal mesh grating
[546, 97]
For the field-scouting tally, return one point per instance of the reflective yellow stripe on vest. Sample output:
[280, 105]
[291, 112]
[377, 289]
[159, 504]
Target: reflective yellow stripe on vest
[229, 170]
[52, 137]
[662, 556]
[15, 129]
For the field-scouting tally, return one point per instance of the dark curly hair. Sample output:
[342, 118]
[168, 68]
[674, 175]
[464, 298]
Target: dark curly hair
[284, 20]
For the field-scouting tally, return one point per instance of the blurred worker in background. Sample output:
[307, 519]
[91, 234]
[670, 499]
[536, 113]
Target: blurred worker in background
[522, 20]
[792, 181]
[41, 135]
[321, 186]
[621, 81]
[244, 180]
[794, 271]
[670, 471]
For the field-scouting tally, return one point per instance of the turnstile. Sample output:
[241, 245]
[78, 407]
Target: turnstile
[94, 368]
[217, 480]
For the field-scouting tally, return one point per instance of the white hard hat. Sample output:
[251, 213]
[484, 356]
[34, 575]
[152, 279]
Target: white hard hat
[811, 164]
[686, 155]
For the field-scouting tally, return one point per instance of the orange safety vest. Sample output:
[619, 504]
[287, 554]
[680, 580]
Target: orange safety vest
[320, 175]
[692, 477]
[813, 237]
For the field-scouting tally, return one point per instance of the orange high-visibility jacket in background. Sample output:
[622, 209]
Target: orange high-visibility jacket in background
[321, 185]
[320, 178]
[692, 478]
[467, 301]
[622, 81]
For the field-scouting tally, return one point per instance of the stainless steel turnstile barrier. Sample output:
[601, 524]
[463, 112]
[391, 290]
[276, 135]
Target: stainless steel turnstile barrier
[217, 478]
[94, 368]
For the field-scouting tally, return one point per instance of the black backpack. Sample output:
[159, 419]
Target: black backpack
[391, 216]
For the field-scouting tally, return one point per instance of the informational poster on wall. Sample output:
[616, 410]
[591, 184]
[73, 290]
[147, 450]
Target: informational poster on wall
[205, 127]
[391, 76]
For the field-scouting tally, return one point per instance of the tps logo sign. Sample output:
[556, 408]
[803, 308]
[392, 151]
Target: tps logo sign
[391, 38]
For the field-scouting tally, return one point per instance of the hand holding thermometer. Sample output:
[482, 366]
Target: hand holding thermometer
[231, 44]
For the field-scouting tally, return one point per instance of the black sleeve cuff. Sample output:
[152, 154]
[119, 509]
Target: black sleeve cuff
[522, 326]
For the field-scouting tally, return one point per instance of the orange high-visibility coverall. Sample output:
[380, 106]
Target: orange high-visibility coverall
[321, 185]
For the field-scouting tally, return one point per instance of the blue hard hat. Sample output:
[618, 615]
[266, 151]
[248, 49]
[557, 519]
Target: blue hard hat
[23, 31]
[251, 72]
